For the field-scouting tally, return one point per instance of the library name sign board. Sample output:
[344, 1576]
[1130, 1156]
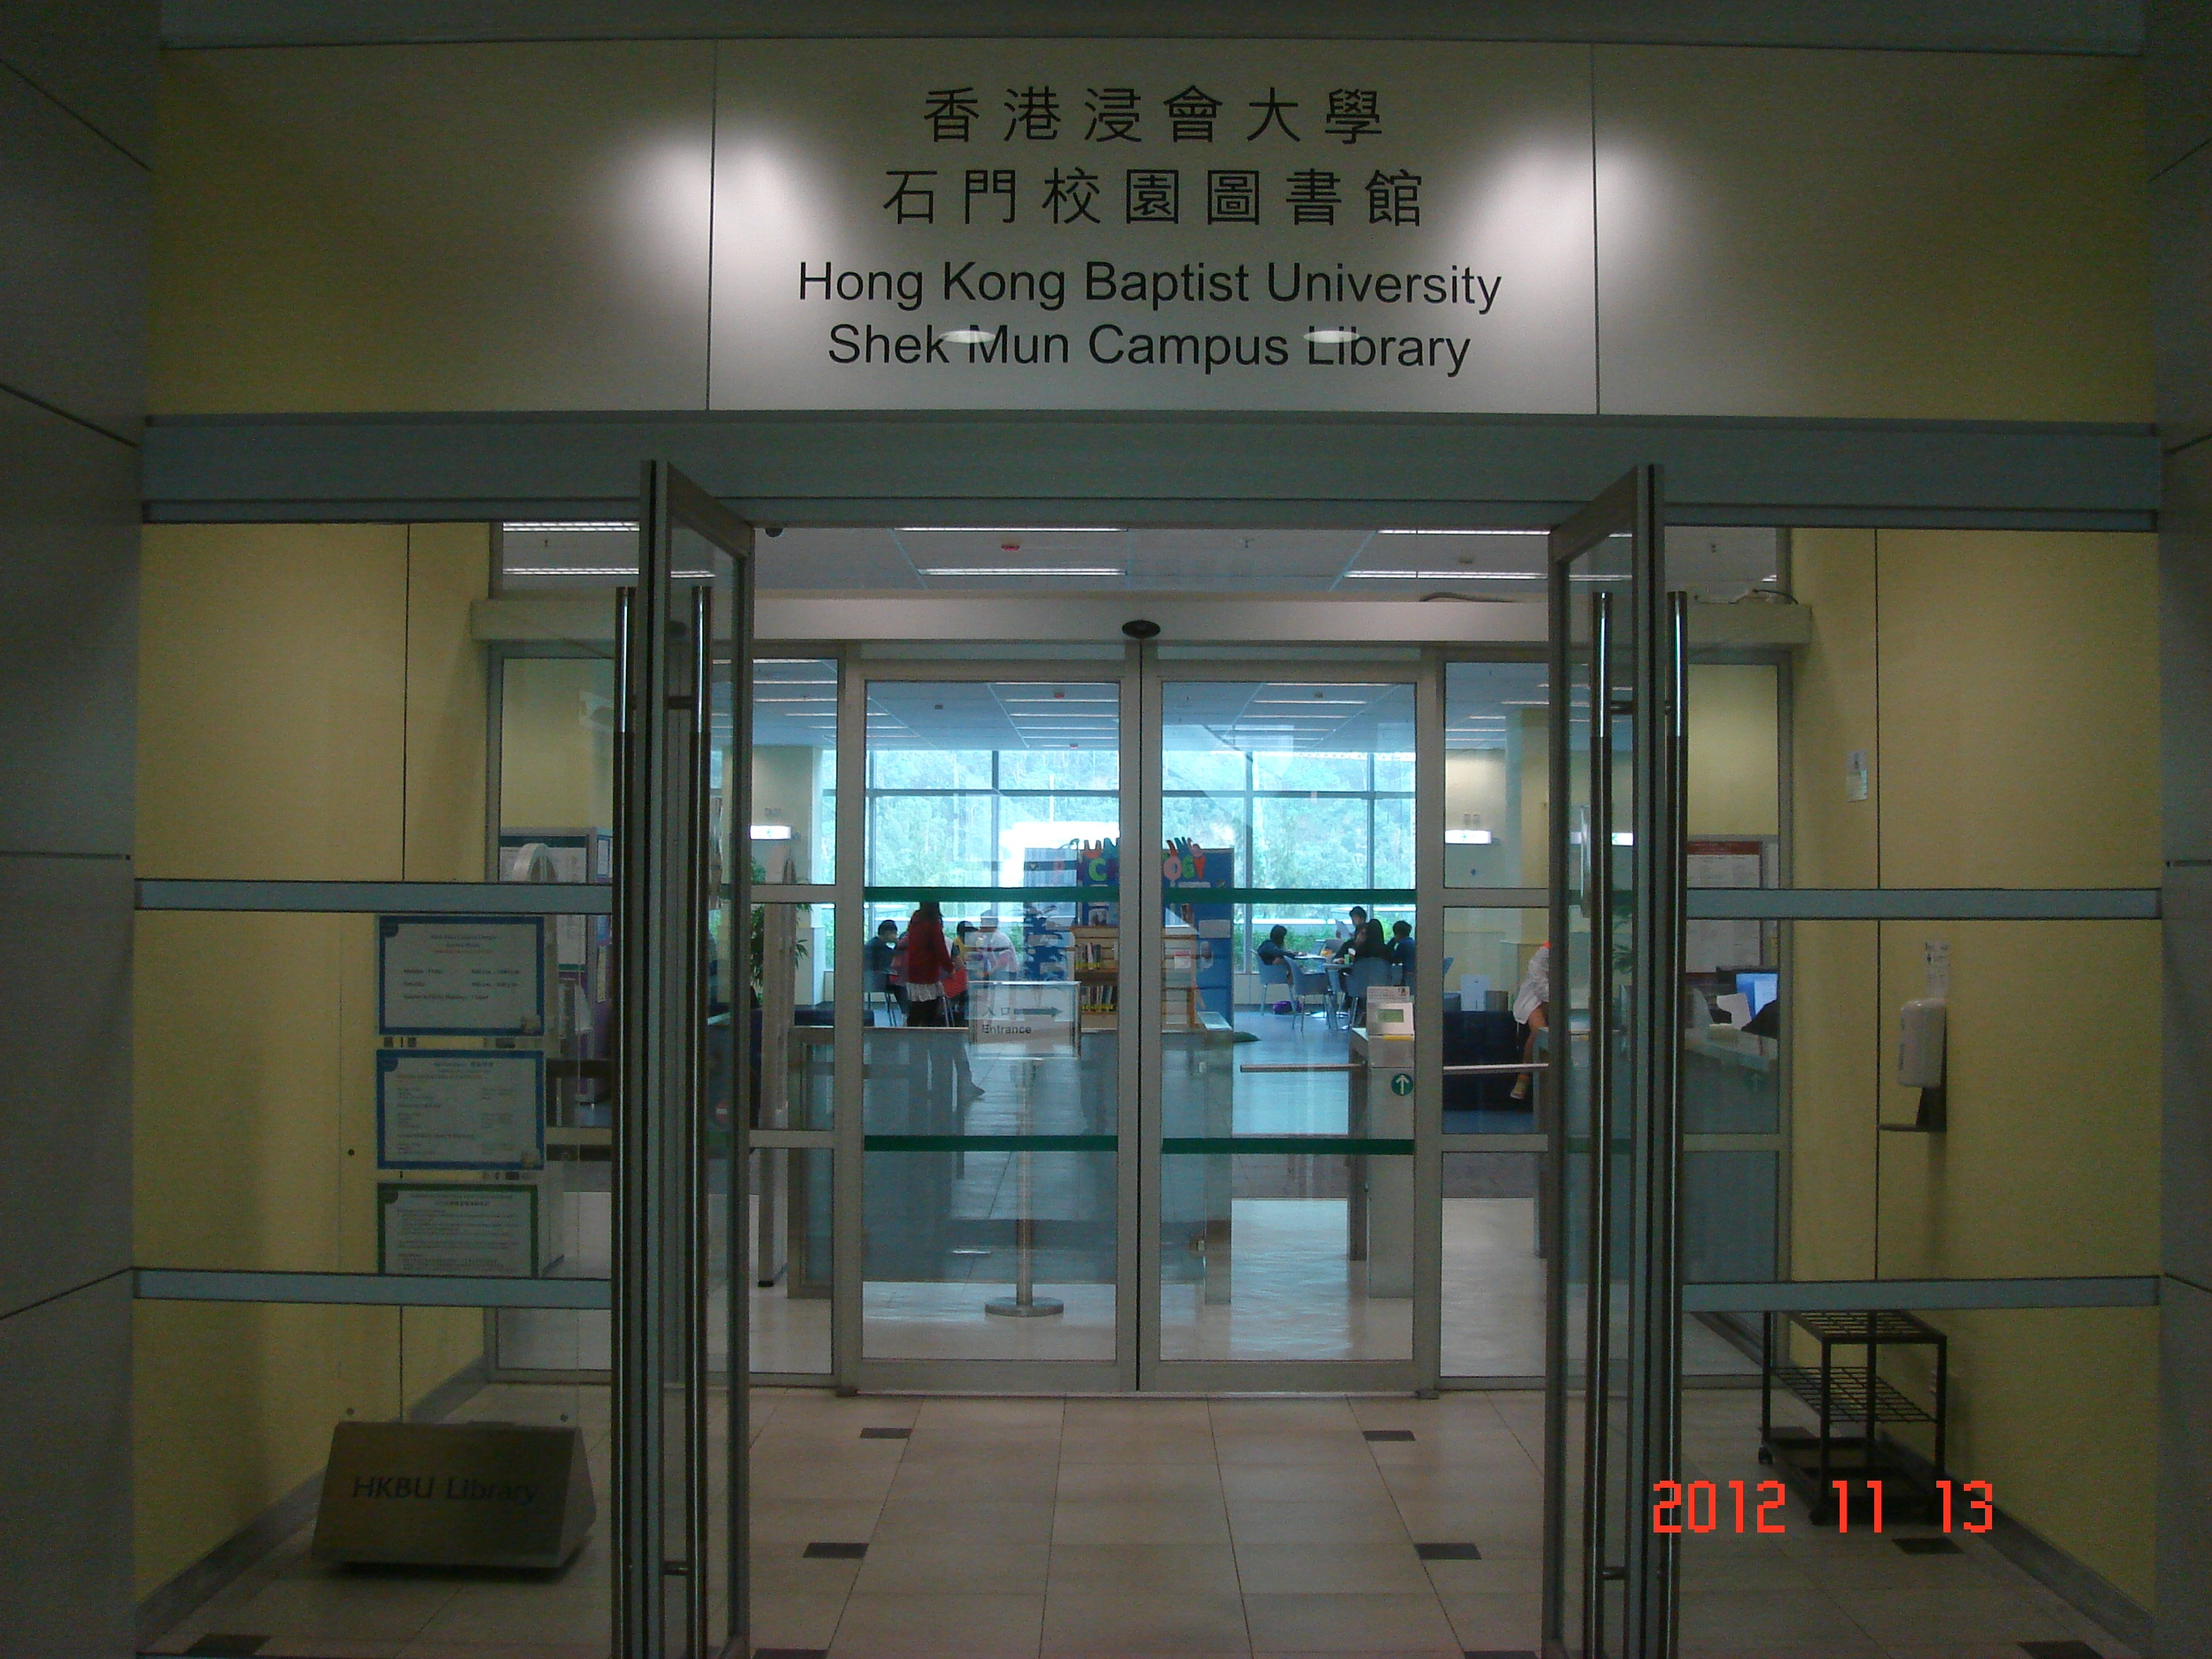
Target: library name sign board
[1111, 224]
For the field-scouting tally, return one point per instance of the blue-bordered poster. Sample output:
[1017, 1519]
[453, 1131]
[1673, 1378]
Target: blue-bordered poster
[460, 975]
[447, 1108]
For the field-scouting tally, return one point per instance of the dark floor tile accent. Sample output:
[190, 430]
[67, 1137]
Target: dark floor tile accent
[218, 1646]
[1448, 1552]
[835, 1551]
[877, 1434]
[1926, 1545]
[2069, 1649]
[1388, 1434]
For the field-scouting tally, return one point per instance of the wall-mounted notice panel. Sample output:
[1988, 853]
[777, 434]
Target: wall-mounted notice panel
[460, 975]
[469, 1231]
[440, 1108]
[1125, 224]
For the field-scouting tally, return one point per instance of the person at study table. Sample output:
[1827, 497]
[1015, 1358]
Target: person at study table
[1532, 1008]
[1347, 934]
[1401, 953]
[1366, 961]
[879, 964]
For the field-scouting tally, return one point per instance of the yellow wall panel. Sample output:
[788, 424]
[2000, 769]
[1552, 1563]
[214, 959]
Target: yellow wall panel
[556, 749]
[1835, 1061]
[486, 226]
[1844, 234]
[1735, 761]
[1834, 839]
[272, 671]
[448, 567]
[2019, 680]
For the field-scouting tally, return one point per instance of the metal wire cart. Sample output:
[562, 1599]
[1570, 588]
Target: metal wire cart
[1851, 1403]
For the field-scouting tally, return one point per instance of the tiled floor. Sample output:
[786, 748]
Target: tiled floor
[1042, 1527]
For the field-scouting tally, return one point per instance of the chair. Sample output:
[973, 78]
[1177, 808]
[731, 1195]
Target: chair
[1314, 982]
[1279, 972]
[1358, 978]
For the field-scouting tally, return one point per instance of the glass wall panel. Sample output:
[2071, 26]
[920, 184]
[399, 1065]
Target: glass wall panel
[790, 1252]
[794, 760]
[1288, 873]
[1497, 783]
[991, 981]
[301, 1408]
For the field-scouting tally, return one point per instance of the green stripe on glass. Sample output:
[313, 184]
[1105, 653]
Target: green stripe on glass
[1356, 1145]
[988, 895]
[990, 1143]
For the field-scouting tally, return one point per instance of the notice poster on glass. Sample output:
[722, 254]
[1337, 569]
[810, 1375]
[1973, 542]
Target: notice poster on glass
[1024, 1017]
[1710, 946]
[471, 1232]
[460, 975]
[446, 1109]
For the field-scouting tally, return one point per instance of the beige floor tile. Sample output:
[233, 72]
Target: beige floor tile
[1960, 1612]
[366, 1608]
[1303, 1483]
[1332, 1569]
[1122, 1621]
[978, 1479]
[1139, 1521]
[1280, 1416]
[1191, 1478]
[981, 1415]
[781, 1621]
[949, 1566]
[908, 1520]
[1105, 1444]
[1771, 1618]
[796, 1520]
[1409, 1624]
[939, 1627]
[783, 1568]
[823, 1481]
[1315, 1446]
[1267, 1521]
[1200, 1567]
[1496, 1621]
[1521, 1575]
[1136, 1414]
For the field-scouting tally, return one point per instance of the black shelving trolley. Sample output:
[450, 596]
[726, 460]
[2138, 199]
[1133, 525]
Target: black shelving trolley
[1851, 1403]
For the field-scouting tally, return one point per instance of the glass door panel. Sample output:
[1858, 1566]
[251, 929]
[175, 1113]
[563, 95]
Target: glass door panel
[991, 977]
[1287, 1209]
[683, 1043]
[1613, 1036]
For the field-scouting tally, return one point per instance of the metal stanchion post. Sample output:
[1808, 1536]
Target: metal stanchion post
[1025, 1303]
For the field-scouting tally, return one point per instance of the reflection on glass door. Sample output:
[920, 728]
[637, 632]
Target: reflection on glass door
[681, 886]
[991, 982]
[1286, 1212]
[1614, 1304]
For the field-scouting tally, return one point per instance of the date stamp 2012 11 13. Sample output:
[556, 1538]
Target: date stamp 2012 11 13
[1697, 1507]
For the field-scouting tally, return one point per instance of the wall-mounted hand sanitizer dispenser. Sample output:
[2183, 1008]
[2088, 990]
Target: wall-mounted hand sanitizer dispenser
[1920, 1061]
[1920, 1043]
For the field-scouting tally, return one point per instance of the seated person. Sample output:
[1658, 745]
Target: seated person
[1401, 953]
[1275, 947]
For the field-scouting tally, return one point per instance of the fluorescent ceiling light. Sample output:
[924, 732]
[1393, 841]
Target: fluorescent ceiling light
[1060, 700]
[1462, 532]
[1524, 703]
[966, 336]
[1443, 575]
[1469, 838]
[794, 699]
[771, 832]
[570, 570]
[1332, 335]
[1623, 838]
[579, 527]
[1009, 530]
[1023, 570]
[1308, 702]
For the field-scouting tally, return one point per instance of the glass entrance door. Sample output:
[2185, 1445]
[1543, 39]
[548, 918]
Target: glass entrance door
[994, 1211]
[1613, 1306]
[679, 1331]
[1283, 1226]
